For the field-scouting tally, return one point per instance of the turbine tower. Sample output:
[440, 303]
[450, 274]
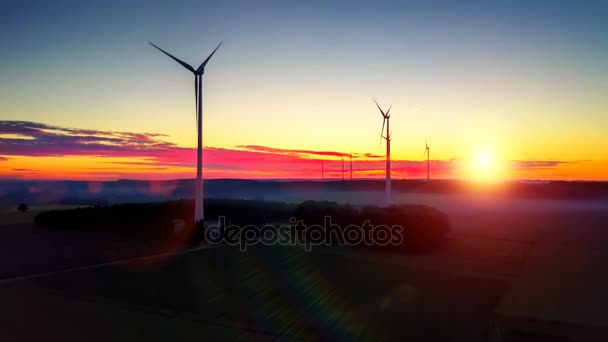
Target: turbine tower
[198, 97]
[427, 151]
[386, 122]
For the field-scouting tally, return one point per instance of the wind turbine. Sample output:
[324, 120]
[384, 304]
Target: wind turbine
[322, 171]
[386, 120]
[427, 151]
[198, 96]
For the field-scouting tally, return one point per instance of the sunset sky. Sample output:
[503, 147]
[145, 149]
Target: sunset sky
[501, 90]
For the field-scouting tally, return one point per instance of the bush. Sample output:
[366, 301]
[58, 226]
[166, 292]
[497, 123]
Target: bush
[22, 207]
[314, 212]
[424, 227]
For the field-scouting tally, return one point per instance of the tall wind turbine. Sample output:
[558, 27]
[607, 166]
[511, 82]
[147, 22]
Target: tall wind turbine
[386, 122]
[198, 96]
[427, 151]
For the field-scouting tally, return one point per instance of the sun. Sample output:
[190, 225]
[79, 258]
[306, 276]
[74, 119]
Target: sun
[485, 160]
[484, 165]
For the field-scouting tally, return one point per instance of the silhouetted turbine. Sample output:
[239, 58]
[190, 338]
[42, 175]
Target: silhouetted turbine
[351, 165]
[198, 96]
[322, 171]
[386, 120]
[427, 151]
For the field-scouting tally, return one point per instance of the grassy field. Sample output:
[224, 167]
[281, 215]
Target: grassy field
[10, 215]
[446, 295]
[287, 292]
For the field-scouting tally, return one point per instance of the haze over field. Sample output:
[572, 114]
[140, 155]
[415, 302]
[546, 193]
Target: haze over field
[452, 197]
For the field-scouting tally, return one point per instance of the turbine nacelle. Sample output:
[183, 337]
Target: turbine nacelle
[385, 117]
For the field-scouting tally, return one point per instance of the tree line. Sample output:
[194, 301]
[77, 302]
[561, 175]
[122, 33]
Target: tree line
[423, 226]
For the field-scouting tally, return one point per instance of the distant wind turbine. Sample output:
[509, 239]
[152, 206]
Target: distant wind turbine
[198, 96]
[386, 120]
[427, 151]
[351, 165]
[322, 171]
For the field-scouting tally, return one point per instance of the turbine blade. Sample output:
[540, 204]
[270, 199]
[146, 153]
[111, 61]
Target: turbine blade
[377, 105]
[184, 64]
[389, 109]
[202, 66]
[382, 131]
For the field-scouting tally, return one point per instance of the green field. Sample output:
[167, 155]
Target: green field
[284, 291]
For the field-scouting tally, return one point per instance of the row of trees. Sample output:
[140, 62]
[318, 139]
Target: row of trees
[423, 227]
[159, 218]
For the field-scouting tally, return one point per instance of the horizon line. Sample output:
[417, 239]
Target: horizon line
[338, 179]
